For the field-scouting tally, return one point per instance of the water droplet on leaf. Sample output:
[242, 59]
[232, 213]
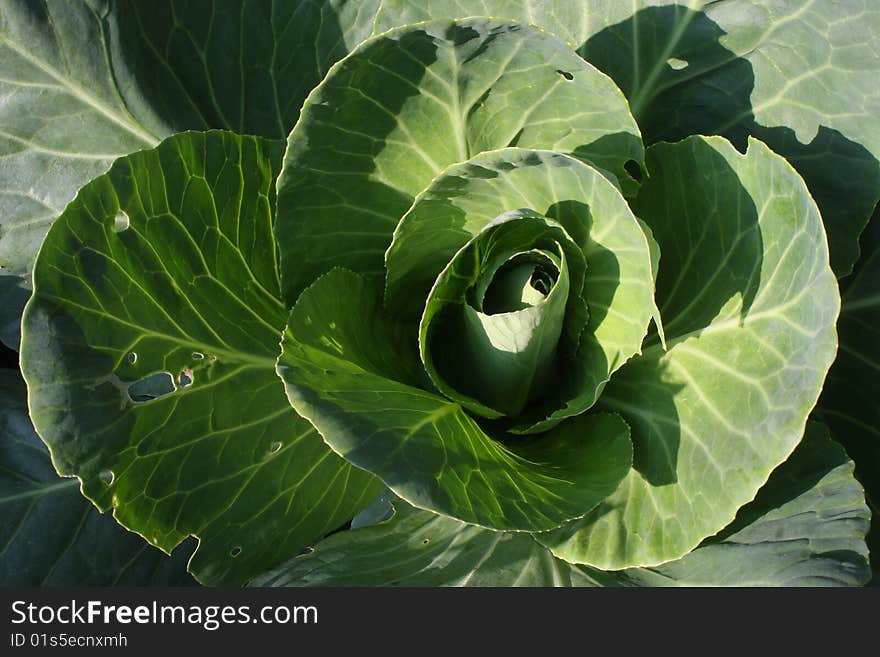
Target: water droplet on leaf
[120, 222]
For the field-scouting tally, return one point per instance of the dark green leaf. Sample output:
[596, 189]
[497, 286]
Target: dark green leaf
[353, 372]
[149, 350]
[86, 81]
[850, 401]
[51, 536]
[805, 528]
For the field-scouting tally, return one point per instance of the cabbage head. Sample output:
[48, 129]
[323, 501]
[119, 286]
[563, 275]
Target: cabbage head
[461, 327]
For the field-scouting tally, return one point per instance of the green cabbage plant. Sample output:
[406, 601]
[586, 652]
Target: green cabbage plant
[406, 299]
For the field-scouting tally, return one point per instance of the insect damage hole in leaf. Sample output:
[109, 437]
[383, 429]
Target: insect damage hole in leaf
[185, 378]
[568, 76]
[152, 387]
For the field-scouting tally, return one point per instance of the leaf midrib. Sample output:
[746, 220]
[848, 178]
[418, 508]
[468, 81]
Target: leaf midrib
[39, 491]
[182, 341]
[82, 94]
[732, 323]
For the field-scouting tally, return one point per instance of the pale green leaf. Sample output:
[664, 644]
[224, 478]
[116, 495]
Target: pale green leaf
[494, 363]
[806, 527]
[749, 305]
[570, 20]
[62, 122]
[617, 287]
[408, 103]
[654, 249]
[800, 76]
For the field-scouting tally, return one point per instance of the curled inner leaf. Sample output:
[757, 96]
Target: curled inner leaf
[347, 368]
[497, 314]
[456, 249]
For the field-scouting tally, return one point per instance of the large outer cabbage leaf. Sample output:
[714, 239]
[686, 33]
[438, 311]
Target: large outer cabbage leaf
[149, 352]
[749, 305]
[408, 103]
[62, 122]
[736, 68]
[86, 81]
[52, 536]
[804, 528]
[799, 75]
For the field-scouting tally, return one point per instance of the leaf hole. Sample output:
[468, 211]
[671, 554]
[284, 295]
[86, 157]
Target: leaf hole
[197, 356]
[121, 222]
[151, 387]
[275, 447]
[633, 169]
[426, 541]
[676, 64]
[568, 76]
[185, 378]
[132, 358]
[234, 552]
[106, 477]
